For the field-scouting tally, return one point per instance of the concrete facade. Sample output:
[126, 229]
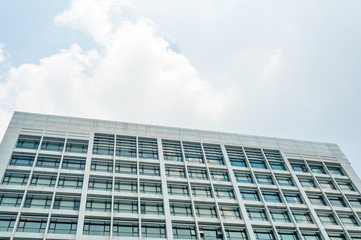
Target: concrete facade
[74, 178]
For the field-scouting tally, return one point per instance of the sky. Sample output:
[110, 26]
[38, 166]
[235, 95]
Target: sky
[289, 69]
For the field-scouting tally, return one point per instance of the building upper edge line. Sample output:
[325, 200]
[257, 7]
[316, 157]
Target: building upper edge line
[68, 120]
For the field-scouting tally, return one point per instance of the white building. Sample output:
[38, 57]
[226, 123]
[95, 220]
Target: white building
[74, 178]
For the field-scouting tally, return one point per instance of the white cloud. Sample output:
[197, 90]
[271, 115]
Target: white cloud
[132, 76]
[2, 55]
[94, 17]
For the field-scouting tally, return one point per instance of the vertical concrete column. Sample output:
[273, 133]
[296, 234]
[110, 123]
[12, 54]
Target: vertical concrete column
[163, 176]
[82, 207]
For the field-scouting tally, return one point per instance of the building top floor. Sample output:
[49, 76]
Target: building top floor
[83, 128]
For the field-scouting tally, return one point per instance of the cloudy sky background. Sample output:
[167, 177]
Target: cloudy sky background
[289, 69]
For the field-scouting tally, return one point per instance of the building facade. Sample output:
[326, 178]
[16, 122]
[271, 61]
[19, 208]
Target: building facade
[74, 178]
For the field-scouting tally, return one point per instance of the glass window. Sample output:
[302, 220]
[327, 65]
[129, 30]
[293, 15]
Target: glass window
[184, 210]
[293, 198]
[348, 220]
[286, 235]
[125, 206]
[206, 211]
[225, 193]
[38, 201]
[70, 182]
[277, 165]
[336, 171]
[302, 217]
[236, 234]
[125, 229]
[175, 172]
[47, 161]
[181, 190]
[10, 199]
[193, 152]
[63, 226]
[184, 232]
[93, 227]
[125, 186]
[299, 167]
[211, 233]
[284, 181]
[317, 200]
[307, 183]
[220, 176]
[154, 208]
[43, 180]
[153, 231]
[172, 150]
[243, 178]
[7, 223]
[337, 236]
[32, 224]
[149, 170]
[263, 234]
[238, 162]
[327, 218]
[28, 142]
[337, 201]
[200, 191]
[98, 204]
[125, 168]
[126, 146]
[263, 179]
[229, 212]
[257, 214]
[103, 144]
[101, 166]
[254, 153]
[15, 178]
[66, 203]
[317, 169]
[257, 164]
[326, 184]
[346, 186]
[250, 195]
[22, 160]
[147, 148]
[273, 155]
[214, 154]
[76, 146]
[74, 163]
[355, 202]
[279, 215]
[100, 184]
[53, 144]
[311, 236]
[197, 174]
[271, 197]
[150, 188]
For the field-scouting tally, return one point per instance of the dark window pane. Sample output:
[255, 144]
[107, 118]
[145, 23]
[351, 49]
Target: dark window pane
[22, 160]
[126, 146]
[53, 144]
[48, 161]
[28, 142]
[76, 146]
[172, 150]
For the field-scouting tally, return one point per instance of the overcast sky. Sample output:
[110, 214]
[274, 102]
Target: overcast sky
[289, 69]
